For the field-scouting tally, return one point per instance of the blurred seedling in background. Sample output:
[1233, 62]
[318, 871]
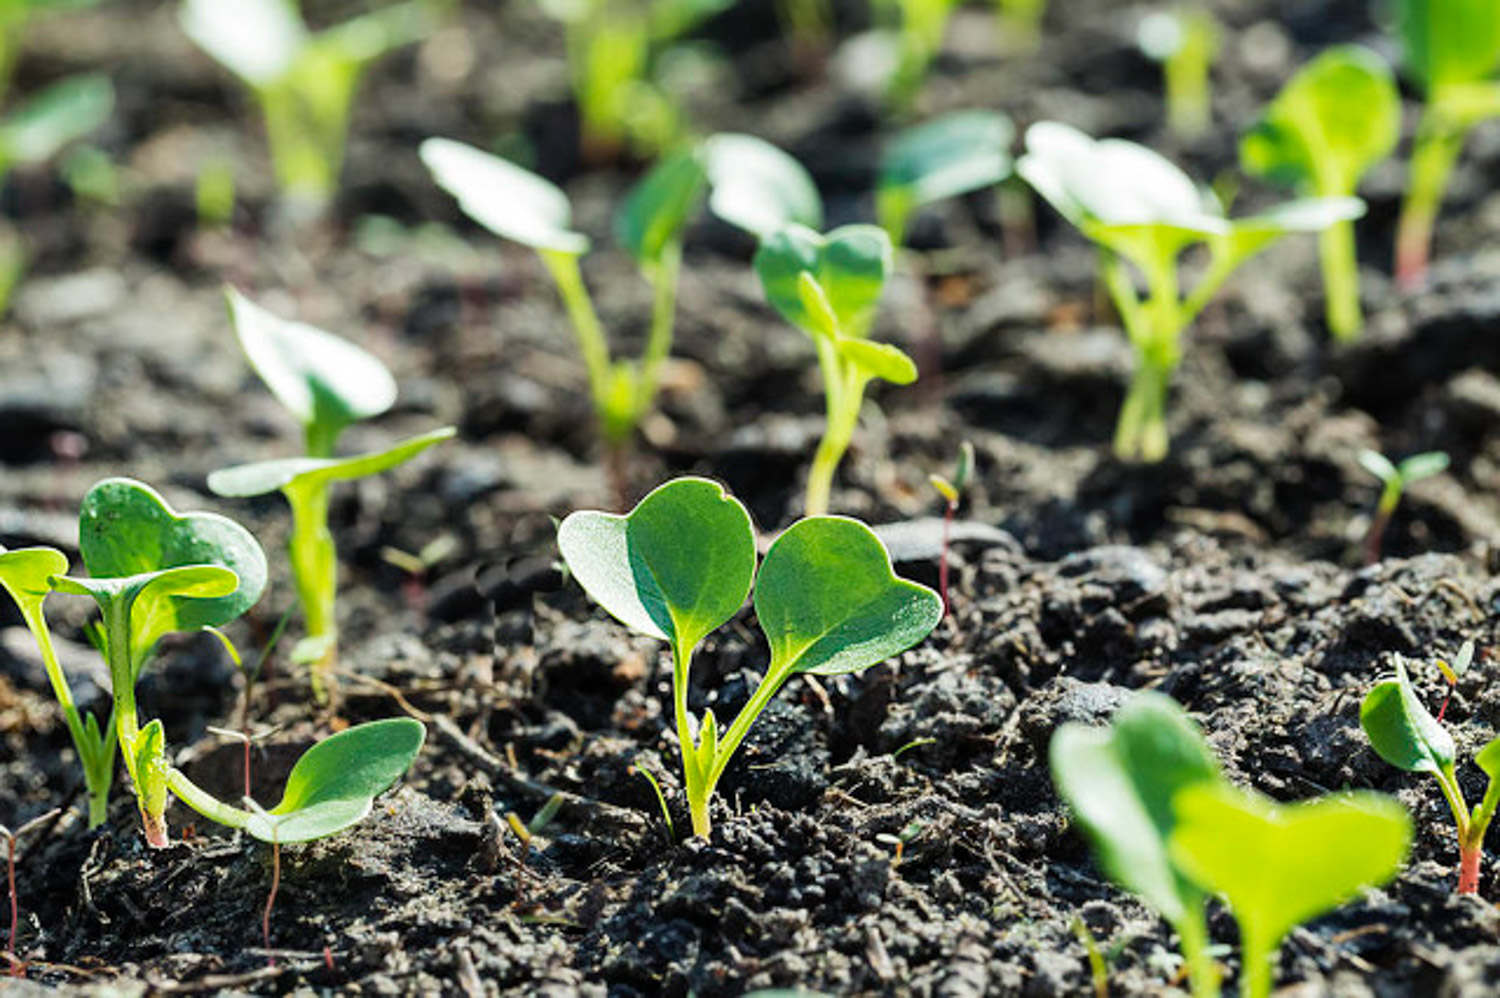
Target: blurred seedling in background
[1406, 735]
[12, 838]
[15, 17]
[947, 157]
[1452, 50]
[952, 492]
[680, 565]
[1394, 478]
[751, 184]
[1020, 23]
[327, 383]
[1139, 207]
[828, 286]
[304, 81]
[1185, 40]
[1339, 116]
[912, 31]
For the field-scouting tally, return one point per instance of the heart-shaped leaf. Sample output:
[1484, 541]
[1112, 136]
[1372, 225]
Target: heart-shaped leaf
[850, 264]
[268, 476]
[334, 784]
[952, 155]
[324, 380]
[758, 188]
[657, 209]
[676, 567]
[511, 202]
[829, 603]
[67, 110]
[1401, 730]
[26, 573]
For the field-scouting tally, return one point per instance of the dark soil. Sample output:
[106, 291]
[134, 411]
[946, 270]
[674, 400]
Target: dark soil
[890, 833]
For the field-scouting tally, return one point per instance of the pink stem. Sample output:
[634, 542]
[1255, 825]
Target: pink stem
[943, 558]
[265, 918]
[16, 968]
[1468, 869]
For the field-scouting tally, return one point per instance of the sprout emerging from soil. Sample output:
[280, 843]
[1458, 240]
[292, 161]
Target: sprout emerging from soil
[1339, 116]
[327, 383]
[1405, 735]
[1138, 207]
[951, 491]
[1186, 42]
[828, 286]
[1394, 478]
[1452, 52]
[17, 965]
[914, 31]
[947, 157]
[304, 81]
[680, 565]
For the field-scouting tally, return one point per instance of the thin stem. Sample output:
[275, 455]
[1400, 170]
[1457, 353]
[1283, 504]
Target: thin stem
[591, 341]
[1340, 280]
[1437, 147]
[16, 967]
[664, 277]
[315, 571]
[770, 685]
[1203, 974]
[844, 386]
[265, 918]
[204, 802]
[943, 556]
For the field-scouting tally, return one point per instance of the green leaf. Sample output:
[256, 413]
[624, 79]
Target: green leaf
[1378, 465]
[1340, 115]
[850, 264]
[1488, 759]
[268, 476]
[1449, 42]
[1120, 783]
[322, 379]
[258, 40]
[65, 111]
[334, 783]
[511, 202]
[951, 155]
[676, 567]
[1279, 865]
[829, 602]
[1253, 233]
[657, 209]
[26, 573]
[1424, 465]
[758, 188]
[1401, 730]
[879, 360]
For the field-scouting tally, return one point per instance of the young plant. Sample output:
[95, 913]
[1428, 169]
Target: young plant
[680, 565]
[1279, 865]
[1020, 22]
[15, 17]
[947, 157]
[1139, 207]
[1405, 735]
[951, 492]
[1394, 478]
[1452, 51]
[1186, 42]
[916, 29]
[828, 286]
[304, 81]
[17, 965]
[1339, 116]
[327, 383]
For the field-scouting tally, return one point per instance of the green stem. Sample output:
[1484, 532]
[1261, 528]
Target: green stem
[315, 572]
[1341, 280]
[586, 326]
[205, 803]
[664, 278]
[844, 386]
[1203, 974]
[1437, 147]
[1187, 91]
[1256, 955]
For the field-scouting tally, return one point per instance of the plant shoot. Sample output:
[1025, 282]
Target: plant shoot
[1394, 478]
[1185, 41]
[947, 157]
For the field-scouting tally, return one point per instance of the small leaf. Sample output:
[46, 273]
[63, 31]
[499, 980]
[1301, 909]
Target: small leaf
[258, 40]
[1488, 759]
[708, 743]
[965, 466]
[676, 567]
[1449, 42]
[1425, 465]
[829, 602]
[65, 111]
[758, 188]
[879, 360]
[851, 265]
[26, 573]
[944, 487]
[1401, 730]
[951, 155]
[1378, 465]
[268, 476]
[821, 320]
[657, 209]
[511, 202]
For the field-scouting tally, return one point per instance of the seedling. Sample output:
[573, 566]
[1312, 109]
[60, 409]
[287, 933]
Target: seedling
[947, 157]
[304, 81]
[1138, 207]
[17, 965]
[1394, 478]
[916, 29]
[15, 17]
[1020, 22]
[1452, 52]
[680, 565]
[327, 383]
[1405, 735]
[1186, 42]
[828, 286]
[951, 492]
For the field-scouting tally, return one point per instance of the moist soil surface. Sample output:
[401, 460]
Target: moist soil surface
[894, 832]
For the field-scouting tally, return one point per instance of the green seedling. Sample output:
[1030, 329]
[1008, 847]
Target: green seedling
[947, 157]
[680, 565]
[1339, 116]
[1186, 42]
[1405, 735]
[1139, 207]
[17, 965]
[754, 185]
[915, 29]
[327, 383]
[1394, 478]
[1452, 52]
[304, 81]
[828, 286]
[1279, 865]
[951, 491]
[1020, 22]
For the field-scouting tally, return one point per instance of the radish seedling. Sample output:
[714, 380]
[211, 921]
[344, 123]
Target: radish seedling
[1279, 865]
[327, 383]
[951, 491]
[1452, 51]
[1185, 41]
[915, 30]
[1394, 478]
[1339, 116]
[304, 81]
[828, 286]
[1405, 735]
[681, 563]
[947, 157]
[1137, 206]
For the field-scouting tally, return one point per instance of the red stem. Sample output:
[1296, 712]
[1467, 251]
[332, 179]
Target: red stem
[943, 558]
[247, 765]
[16, 968]
[1468, 868]
[1374, 536]
[265, 918]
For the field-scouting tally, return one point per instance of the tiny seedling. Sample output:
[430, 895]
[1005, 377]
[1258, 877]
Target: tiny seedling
[947, 157]
[1339, 116]
[951, 491]
[327, 383]
[1279, 865]
[828, 286]
[680, 565]
[1452, 52]
[1139, 207]
[1394, 478]
[304, 81]
[1405, 735]
[17, 965]
[1185, 41]
[915, 30]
